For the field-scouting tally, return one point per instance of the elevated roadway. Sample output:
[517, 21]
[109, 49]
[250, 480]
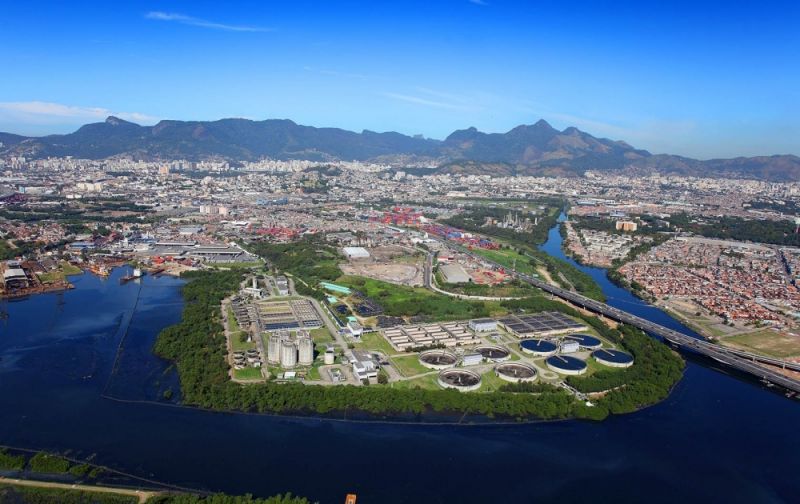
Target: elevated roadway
[739, 360]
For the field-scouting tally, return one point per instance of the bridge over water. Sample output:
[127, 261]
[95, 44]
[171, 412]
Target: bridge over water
[739, 360]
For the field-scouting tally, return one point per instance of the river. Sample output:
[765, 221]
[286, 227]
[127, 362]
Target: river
[65, 387]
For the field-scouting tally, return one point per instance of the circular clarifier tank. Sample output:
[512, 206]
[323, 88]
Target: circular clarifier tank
[515, 372]
[564, 364]
[538, 347]
[494, 353]
[438, 359]
[586, 341]
[460, 379]
[613, 358]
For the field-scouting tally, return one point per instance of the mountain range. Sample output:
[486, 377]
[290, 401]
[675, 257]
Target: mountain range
[537, 149]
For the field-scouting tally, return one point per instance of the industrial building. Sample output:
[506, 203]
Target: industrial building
[14, 276]
[626, 226]
[290, 352]
[448, 334]
[483, 325]
[569, 346]
[454, 273]
[471, 359]
[352, 253]
[207, 252]
[540, 325]
[365, 366]
[294, 314]
[282, 284]
[354, 329]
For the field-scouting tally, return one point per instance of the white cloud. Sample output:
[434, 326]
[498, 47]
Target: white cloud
[438, 99]
[478, 2]
[202, 23]
[422, 101]
[43, 113]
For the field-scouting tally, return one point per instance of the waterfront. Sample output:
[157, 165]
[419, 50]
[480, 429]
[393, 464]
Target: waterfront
[58, 351]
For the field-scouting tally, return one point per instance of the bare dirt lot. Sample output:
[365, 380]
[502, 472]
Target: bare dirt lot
[389, 263]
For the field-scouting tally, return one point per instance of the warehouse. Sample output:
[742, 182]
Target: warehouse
[355, 253]
[454, 273]
[14, 278]
[483, 325]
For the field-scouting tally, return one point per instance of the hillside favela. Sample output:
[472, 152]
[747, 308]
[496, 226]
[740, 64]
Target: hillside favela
[455, 252]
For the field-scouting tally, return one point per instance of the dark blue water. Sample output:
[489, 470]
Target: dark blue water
[715, 439]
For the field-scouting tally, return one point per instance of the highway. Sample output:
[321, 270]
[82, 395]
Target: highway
[744, 362]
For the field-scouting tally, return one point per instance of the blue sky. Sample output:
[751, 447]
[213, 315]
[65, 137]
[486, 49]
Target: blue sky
[703, 79]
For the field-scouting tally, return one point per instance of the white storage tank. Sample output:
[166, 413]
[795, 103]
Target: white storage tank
[274, 349]
[288, 354]
[305, 349]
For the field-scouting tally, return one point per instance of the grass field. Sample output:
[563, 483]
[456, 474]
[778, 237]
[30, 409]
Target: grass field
[767, 342]
[703, 325]
[51, 277]
[233, 324]
[247, 374]
[374, 341]
[64, 269]
[490, 382]
[237, 345]
[409, 365]
[499, 290]
[400, 301]
[70, 269]
[321, 335]
[42, 492]
[506, 257]
[592, 366]
[313, 373]
[425, 382]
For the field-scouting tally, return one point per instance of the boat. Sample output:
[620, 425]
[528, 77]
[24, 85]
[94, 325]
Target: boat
[137, 273]
[99, 270]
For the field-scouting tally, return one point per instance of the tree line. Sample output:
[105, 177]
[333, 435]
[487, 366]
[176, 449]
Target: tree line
[197, 346]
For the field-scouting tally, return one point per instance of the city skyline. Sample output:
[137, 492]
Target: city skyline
[691, 80]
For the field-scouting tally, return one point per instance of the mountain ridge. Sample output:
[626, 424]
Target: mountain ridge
[535, 149]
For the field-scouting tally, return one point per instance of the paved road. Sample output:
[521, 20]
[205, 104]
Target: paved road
[142, 495]
[431, 284]
[732, 358]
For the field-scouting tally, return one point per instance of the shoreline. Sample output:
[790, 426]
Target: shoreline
[376, 404]
[142, 495]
